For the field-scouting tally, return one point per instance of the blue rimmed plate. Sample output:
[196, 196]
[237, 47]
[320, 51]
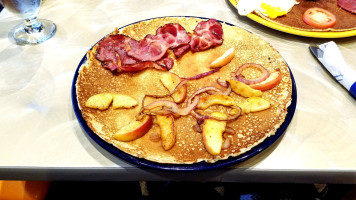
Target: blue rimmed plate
[181, 167]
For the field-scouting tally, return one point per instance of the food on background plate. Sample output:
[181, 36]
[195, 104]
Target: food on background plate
[269, 8]
[319, 18]
[332, 15]
[188, 86]
[348, 5]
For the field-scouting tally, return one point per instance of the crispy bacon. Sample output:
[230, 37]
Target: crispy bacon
[114, 47]
[151, 48]
[207, 34]
[122, 53]
[174, 35]
[140, 66]
[154, 47]
[179, 51]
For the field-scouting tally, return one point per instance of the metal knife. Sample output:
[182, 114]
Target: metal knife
[330, 57]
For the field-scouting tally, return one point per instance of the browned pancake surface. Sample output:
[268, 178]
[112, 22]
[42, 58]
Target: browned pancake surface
[251, 129]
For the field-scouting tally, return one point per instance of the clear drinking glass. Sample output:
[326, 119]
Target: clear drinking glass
[33, 30]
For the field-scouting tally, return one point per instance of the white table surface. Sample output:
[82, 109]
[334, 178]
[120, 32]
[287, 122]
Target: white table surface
[41, 139]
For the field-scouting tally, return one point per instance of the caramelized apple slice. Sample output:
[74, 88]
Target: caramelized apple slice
[168, 136]
[170, 81]
[213, 133]
[254, 104]
[224, 59]
[217, 99]
[269, 83]
[243, 89]
[123, 101]
[134, 130]
[100, 101]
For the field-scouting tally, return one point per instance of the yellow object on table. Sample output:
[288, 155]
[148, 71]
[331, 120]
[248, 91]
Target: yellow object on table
[23, 190]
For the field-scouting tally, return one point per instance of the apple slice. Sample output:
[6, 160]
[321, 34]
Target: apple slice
[254, 104]
[123, 101]
[170, 81]
[217, 99]
[168, 136]
[134, 130]
[243, 89]
[100, 101]
[213, 133]
[224, 59]
[273, 80]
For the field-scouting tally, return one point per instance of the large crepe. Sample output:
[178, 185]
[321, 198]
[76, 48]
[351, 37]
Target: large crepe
[251, 129]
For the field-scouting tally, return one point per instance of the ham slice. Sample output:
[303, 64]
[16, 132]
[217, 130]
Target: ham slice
[349, 5]
[207, 34]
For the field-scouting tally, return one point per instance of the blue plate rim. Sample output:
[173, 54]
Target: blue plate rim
[200, 166]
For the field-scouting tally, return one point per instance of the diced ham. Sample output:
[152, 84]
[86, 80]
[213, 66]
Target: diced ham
[207, 34]
[349, 5]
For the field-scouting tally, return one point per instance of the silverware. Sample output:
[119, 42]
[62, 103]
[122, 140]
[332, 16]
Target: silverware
[330, 57]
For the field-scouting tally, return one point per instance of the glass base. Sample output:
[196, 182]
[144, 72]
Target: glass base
[44, 30]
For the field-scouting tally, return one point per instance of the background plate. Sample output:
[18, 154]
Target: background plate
[181, 167]
[314, 34]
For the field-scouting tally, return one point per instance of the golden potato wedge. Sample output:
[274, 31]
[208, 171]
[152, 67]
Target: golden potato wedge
[123, 101]
[254, 104]
[170, 81]
[224, 59]
[213, 133]
[168, 136]
[100, 101]
[243, 89]
[216, 99]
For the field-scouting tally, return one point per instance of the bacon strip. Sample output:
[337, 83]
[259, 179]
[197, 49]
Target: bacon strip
[122, 53]
[207, 34]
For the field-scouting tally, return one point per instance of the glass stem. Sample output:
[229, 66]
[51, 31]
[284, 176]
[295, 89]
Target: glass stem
[32, 25]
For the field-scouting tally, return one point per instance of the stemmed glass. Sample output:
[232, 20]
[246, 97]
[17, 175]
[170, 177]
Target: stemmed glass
[33, 30]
